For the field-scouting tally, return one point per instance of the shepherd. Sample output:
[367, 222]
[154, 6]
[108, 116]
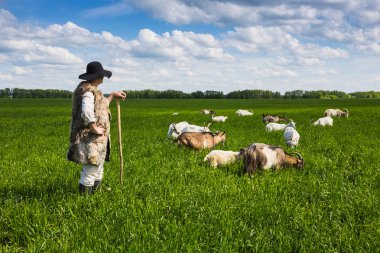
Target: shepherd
[90, 127]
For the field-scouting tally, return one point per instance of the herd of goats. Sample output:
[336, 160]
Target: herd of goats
[255, 156]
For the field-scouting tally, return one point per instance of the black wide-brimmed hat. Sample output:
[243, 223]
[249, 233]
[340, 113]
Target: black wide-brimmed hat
[95, 70]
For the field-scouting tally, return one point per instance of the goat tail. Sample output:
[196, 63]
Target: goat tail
[206, 158]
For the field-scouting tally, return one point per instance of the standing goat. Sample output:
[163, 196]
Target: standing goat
[336, 112]
[263, 156]
[200, 141]
[291, 135]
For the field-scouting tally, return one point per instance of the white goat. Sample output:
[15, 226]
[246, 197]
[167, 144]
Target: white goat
[336, 112]
[291, 135]
[244, 112]
[222, 157]
[175, 129]
[207, 111]
[325, 121]
[219, 118]
[274, 127]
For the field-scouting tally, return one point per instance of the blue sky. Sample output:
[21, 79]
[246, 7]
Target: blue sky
[191, 45]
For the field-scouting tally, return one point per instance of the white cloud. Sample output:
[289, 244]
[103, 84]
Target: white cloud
[275, 41]
[21, 70]
[6, 77]
[297, 45]
[177, 45]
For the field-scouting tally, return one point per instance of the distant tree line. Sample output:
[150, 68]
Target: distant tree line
[251, 94]
[35, 93]
[208, 94]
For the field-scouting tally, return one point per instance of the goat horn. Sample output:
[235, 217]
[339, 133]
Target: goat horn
[298, 154]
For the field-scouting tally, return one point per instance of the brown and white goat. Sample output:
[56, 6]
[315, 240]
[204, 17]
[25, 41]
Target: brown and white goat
[273, 118]
[201, 140]
[336, 112]
[263, 156]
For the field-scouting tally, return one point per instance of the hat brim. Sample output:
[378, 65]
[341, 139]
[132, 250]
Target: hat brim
[89, 77]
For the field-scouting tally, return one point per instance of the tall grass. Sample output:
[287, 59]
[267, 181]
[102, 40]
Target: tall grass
[171, 201]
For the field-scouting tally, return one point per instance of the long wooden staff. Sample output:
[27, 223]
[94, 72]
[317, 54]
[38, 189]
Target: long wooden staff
[120, 143]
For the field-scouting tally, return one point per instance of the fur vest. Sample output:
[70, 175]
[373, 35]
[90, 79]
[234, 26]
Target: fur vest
[85, 146]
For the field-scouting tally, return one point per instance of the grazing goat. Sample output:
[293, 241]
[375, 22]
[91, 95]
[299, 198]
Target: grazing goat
[274, 127]
[244, 113]
[291, 135]
[336, 112]
[326, 121]
[263, 156]
[222, 157]
[273, 118]
[175, 129]
[200, 141]
[219, 118]
[207, 111]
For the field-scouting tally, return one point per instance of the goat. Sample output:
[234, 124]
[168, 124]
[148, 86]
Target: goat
[219, 118]
[207, 111]
[244, 113]
[175, 129]
[274, 127]
[221, 157]
[263, 156]
[336, 112]
[202, 140]
[273, 118]
[291, 135]
[326, 121]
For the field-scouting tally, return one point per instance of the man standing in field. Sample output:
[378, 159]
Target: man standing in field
[90, 126]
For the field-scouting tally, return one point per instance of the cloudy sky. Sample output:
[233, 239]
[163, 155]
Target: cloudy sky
[192, 45]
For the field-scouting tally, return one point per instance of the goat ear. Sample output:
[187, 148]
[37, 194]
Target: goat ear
[223, 133]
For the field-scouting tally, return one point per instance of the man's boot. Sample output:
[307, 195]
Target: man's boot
[97, 185]
[86, 190]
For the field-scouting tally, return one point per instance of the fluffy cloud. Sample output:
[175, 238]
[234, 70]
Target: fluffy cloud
[266, 45]
[177, 45]
[331, 20]
[276, 41]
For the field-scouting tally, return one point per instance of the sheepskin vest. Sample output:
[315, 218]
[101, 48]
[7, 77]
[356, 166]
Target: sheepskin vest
[85, 146]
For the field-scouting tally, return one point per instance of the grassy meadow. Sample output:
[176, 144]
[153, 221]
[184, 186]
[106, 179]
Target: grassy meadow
[172, 201]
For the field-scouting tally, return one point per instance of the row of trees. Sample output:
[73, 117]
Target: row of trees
[252, 94]
[35, 93]
[209, 94]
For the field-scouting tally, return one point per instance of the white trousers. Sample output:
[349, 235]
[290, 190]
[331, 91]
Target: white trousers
[91, 173]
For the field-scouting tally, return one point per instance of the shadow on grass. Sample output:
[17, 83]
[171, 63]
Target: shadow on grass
[39, 190]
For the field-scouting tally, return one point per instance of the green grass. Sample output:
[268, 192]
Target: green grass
[172, 201]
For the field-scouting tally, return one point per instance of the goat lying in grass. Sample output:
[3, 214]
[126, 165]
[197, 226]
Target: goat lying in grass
[222, 157]
[325, 121]
[263, 156]
[201, 140]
